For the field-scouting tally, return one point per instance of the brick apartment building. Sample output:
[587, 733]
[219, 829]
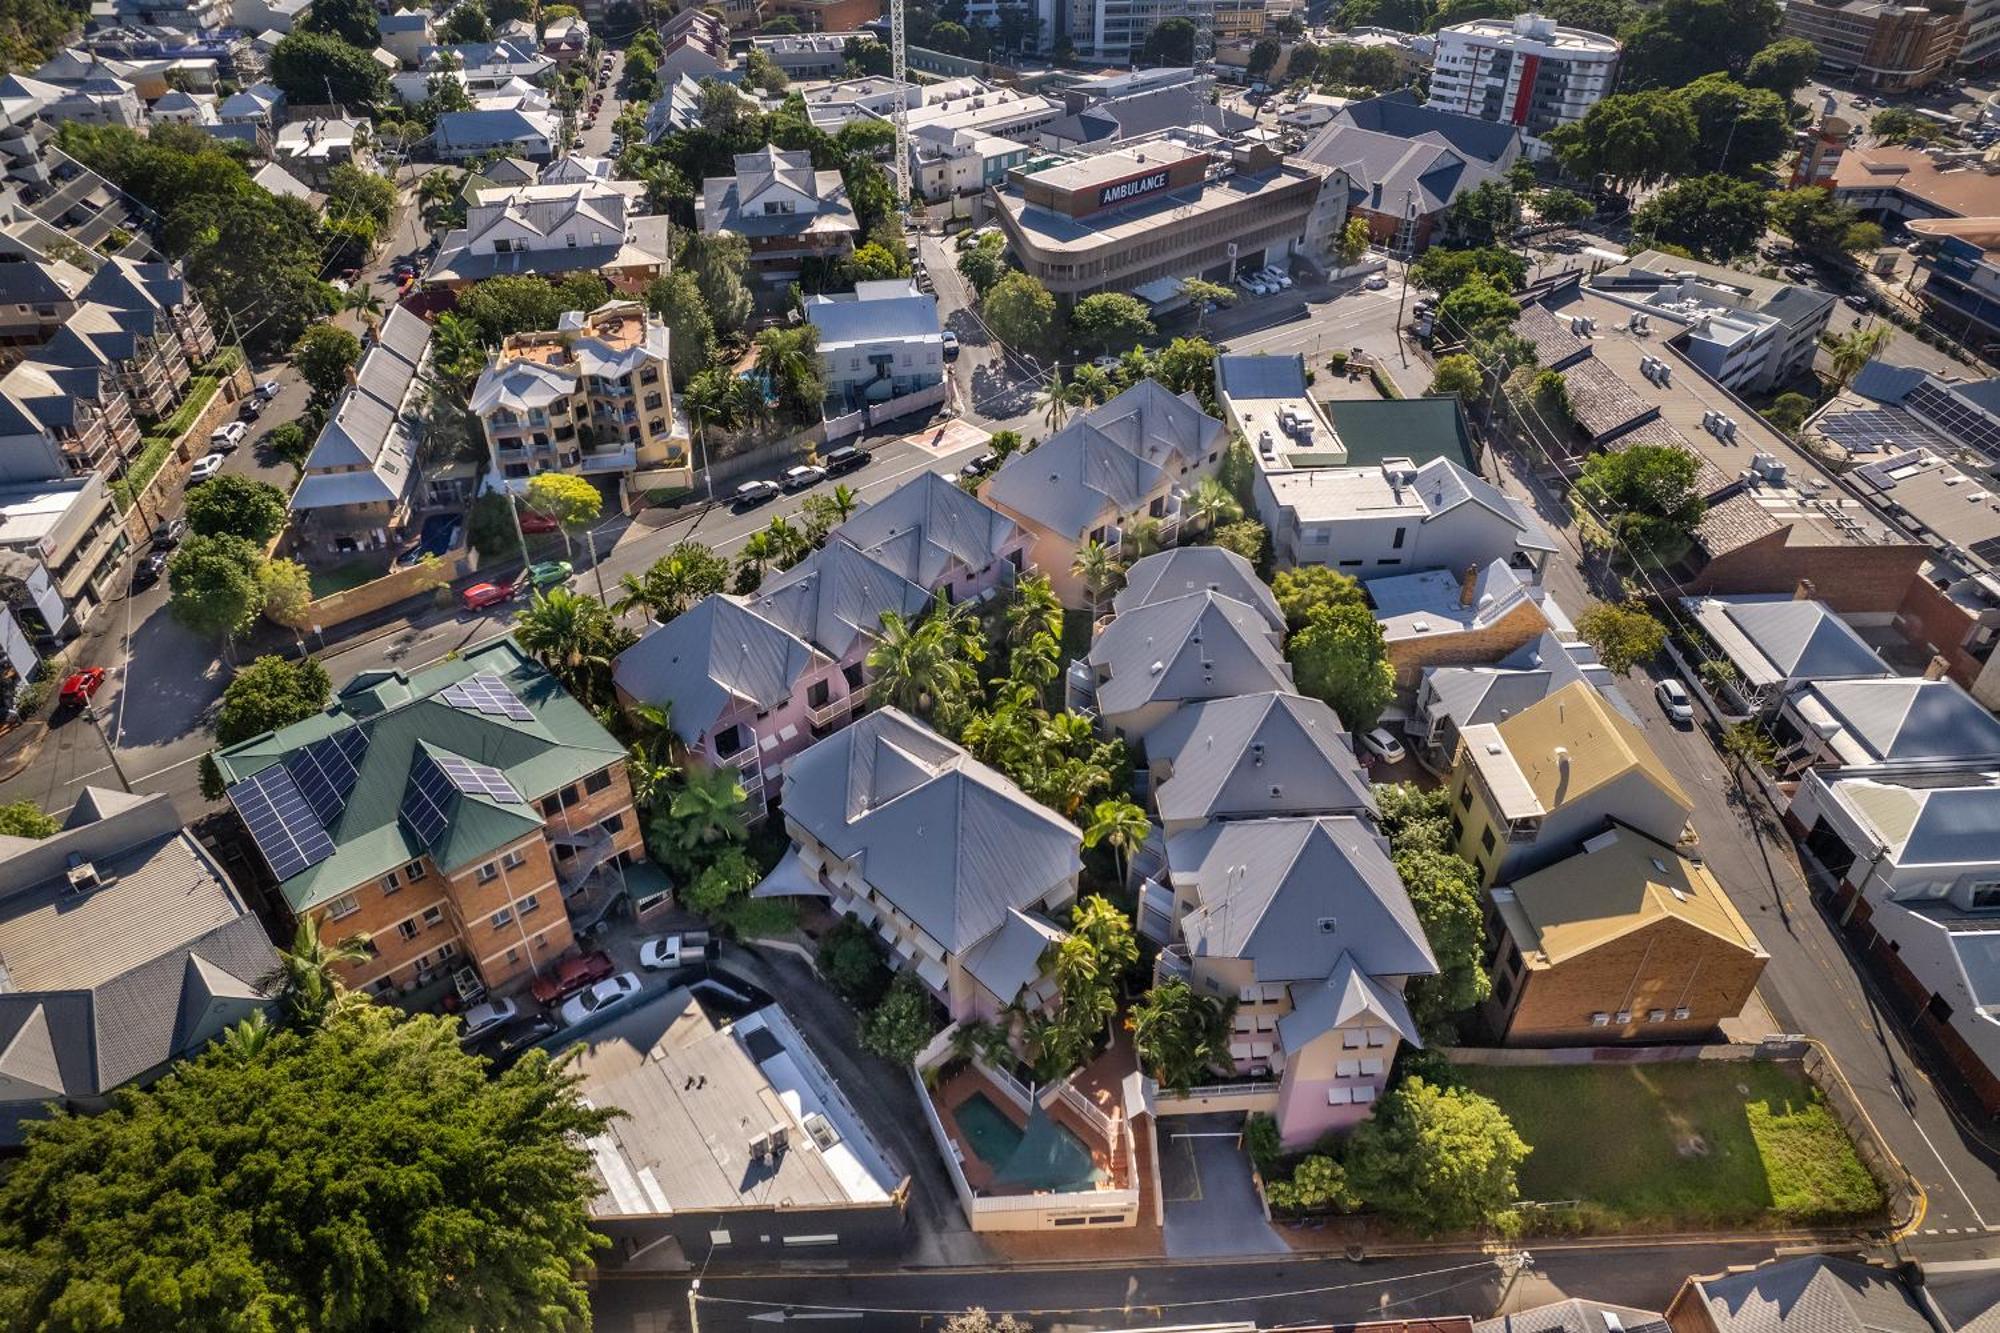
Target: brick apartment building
[462, 816]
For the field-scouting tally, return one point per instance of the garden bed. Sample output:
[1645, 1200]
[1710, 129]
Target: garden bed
[1682, 1145]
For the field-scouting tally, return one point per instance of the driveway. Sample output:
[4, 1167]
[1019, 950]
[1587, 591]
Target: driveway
[1212, 1208]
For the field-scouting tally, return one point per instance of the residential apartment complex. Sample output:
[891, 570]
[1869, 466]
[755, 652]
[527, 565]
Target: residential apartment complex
[464, 817]
[359, 479]
[787, 211]
[1528, 72]
[592, 397]
[61, 543]
[124, 948]
[1882, 45]
[554, 229]
[879, 342]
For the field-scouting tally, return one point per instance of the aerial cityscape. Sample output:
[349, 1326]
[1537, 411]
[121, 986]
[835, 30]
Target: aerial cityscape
[1000, 666]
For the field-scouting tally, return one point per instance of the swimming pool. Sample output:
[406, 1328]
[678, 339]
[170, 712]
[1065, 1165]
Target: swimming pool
[1045, 1156]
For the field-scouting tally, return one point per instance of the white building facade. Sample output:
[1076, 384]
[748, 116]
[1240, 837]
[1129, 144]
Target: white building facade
[1529, 72]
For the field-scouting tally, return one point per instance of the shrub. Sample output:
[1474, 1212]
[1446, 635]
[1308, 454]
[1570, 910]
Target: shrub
[852, 963]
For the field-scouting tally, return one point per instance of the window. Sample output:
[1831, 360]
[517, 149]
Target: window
[718, 1238]
[407, 929]
[414, 871]
[1465, 797]
[345, 905]
[1486, 839]
[513, 955]
[488, 873]
[1397, 543]
[1600, 1019]
[527, 904]
[1622, 1016]
[597, 782]
[390, 883]
[433, 915]
[1985, 893]
[1683, 1013]
[500, 918]
[1353, 1039]
[612, 823]
[514, 859]
[820, 1238]
[1656, 1015]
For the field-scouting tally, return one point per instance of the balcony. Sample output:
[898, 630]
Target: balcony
[1156, 912]
[837, 712]
[622, 459]
[1173, 961]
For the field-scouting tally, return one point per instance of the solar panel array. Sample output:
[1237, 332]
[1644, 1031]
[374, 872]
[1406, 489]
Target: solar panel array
[486, 693]
[327, 770]
[281, 819]
[425, 800]
[1875, 430]
[1956, 417]
[479, 780]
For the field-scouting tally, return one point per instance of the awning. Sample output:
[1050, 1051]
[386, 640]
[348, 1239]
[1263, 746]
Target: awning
[644, 880]
[788, 879]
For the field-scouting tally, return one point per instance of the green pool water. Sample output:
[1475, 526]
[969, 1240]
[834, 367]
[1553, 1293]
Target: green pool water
[1057, 1160]
[987, 1130]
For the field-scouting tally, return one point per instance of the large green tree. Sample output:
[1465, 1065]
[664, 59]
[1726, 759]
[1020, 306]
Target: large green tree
[213, 586]
[236, 506]
[323, 357]
[1109, 322]
[352, 21]
[1169, 43]
[1675, 42]
[676, 299]
[1444, 888]
[1022, 314]
[365, 1175]
[1624, 634]
[1739, 128]
[1437, 1159]
[271, 692]
[1714, 217]
[1338, 655]
[1477, 309]
[1444, 271]
[1645, 497]
[1784, 67]
[1630, 139]
[24, 819]
[311, 67]
[718, 264]
[1180, 1033]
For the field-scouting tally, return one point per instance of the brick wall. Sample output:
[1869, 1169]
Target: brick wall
[1663, 967]
[1473, 648]
[1929, 619]
[1852, 579]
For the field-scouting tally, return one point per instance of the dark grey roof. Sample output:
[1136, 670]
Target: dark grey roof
[1197, 646]
[1184, 569]
[1256, 755]
[835, 598]
[1385, 169]
[1260, 375]
[1470, 695]
[1404, 114]
[950, 843]
[1576, 1315]
[1910, 718]
[716, 653]
[926, 526]
[1813, 1294]
[1137, 114]
[1549, 333]
[1113, 455]
[1293, 895]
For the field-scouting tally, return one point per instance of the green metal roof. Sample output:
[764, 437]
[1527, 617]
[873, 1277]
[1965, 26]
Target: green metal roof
[562, 744]
[1419, 429]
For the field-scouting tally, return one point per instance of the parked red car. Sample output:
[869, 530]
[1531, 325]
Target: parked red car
[482, 595]
[76, 691]
[534, 522]
[572, 975]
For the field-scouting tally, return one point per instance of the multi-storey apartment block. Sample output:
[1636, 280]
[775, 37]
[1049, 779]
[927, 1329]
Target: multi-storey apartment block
[1526, 71]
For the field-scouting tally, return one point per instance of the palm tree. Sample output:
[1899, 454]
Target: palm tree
[573, 636]
[708, 808]
[1055, 401]
[1855, 349]
[245, 1041]
[1036, 663]
[1134, 366]
[759, 549]
[1180, 1033]
[788, 544]
[1089, 386]
[841, 502]
[1098, 568]
[457, 348]
[1209, 505]
[304, 980]
[1033, 609]
[1120, 824]
[363, 298]
[685, 574]
[922, 668]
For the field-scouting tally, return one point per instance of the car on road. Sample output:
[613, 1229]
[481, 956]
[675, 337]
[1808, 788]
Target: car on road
[802, 476]
[1375, 282]
[205, 468]
[481, 1019]
[252, 408]
[1106, 363]
[548, 573]
[847, 458]
[169, 532]
[1674, 701]
[1855, 302]
[753, 493]
[268, 390]
[78, 688]
[601, 998]
[981, 465]
[534, 522]
[225, 438]
[1383, 746]
[572, 975]
[669, 951]
[482, 595]
[950, 345]
[147, 572]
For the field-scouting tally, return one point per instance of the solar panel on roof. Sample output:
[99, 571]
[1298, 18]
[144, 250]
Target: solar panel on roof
[327, 770]
[479, 780]
[487, 693]
[425, 800]
[281, 821]
[1956, 417]
[1879, 430]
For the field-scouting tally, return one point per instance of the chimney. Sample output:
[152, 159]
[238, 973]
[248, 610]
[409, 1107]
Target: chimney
[1805, 591]
[1937, 668]
[352, 378]
[1468, 583]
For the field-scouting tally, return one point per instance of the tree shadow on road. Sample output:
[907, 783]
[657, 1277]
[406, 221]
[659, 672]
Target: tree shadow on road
[171, 686]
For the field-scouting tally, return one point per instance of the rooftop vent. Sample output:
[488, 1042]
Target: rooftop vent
[83, 875]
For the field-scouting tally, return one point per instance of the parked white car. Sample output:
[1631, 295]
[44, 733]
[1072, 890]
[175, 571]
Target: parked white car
[484, 1018]
[1383, 746]
[1375, 282]
[268, 389]
[605, 996]
[664, 952]
[1674, 701]
[224, 438]
[204, 468]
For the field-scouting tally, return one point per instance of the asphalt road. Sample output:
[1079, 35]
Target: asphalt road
[1272, 1292]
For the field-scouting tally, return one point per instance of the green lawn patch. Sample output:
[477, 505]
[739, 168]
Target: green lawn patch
[326, 582]
[754, 917]
[1693, 1144]
[200, 389]
[144, 466]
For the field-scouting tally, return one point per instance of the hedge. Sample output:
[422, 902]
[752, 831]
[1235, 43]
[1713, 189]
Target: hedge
[199, 390]
[226, 361]
[153, 451]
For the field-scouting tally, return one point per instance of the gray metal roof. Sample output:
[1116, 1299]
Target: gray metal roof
[1256, 755]
[1111, 456]
[1383, 170]
[835, 598]
[1799, 639]
[1576, 1315]
[1403, 113]
[911, 316]
[1470, 695]
[1348, 993]
[717, 652]
[1909, 718]
[1197, 646]
[1293, 895]
[1260, 376]
[1185, 569]
[927, 527]
[949, 842]
[1011, 957]
[1142, 113]
[1812, 1294]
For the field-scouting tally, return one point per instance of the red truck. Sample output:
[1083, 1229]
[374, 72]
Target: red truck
[572, 975]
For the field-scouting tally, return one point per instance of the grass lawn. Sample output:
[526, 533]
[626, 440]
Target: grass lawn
[326, 582]
[1682, 1144]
